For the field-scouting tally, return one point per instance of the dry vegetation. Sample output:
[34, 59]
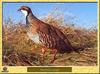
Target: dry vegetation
[19, 50]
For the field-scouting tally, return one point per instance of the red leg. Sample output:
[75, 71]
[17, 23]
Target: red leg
[43, 51]
[42, 55]
[54, 57]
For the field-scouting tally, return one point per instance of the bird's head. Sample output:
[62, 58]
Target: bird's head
[24, 9]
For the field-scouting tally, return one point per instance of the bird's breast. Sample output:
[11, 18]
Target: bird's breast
[34, 37]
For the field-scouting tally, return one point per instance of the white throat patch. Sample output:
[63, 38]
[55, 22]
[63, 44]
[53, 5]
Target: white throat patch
[24, 12]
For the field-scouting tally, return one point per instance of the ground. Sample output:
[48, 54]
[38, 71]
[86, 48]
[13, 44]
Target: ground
[87, 57]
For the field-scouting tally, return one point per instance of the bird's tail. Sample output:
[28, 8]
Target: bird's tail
[74, 48]
[78, 49]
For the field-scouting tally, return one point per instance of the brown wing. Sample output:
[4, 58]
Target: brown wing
[53, 38]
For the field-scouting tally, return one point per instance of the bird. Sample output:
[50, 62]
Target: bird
[45, 34]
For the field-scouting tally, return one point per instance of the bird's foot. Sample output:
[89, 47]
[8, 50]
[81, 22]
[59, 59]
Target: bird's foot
[54, 57]
[42, 59]
[53, 60]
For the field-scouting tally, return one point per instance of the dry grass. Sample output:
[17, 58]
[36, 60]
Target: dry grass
[19, 50]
